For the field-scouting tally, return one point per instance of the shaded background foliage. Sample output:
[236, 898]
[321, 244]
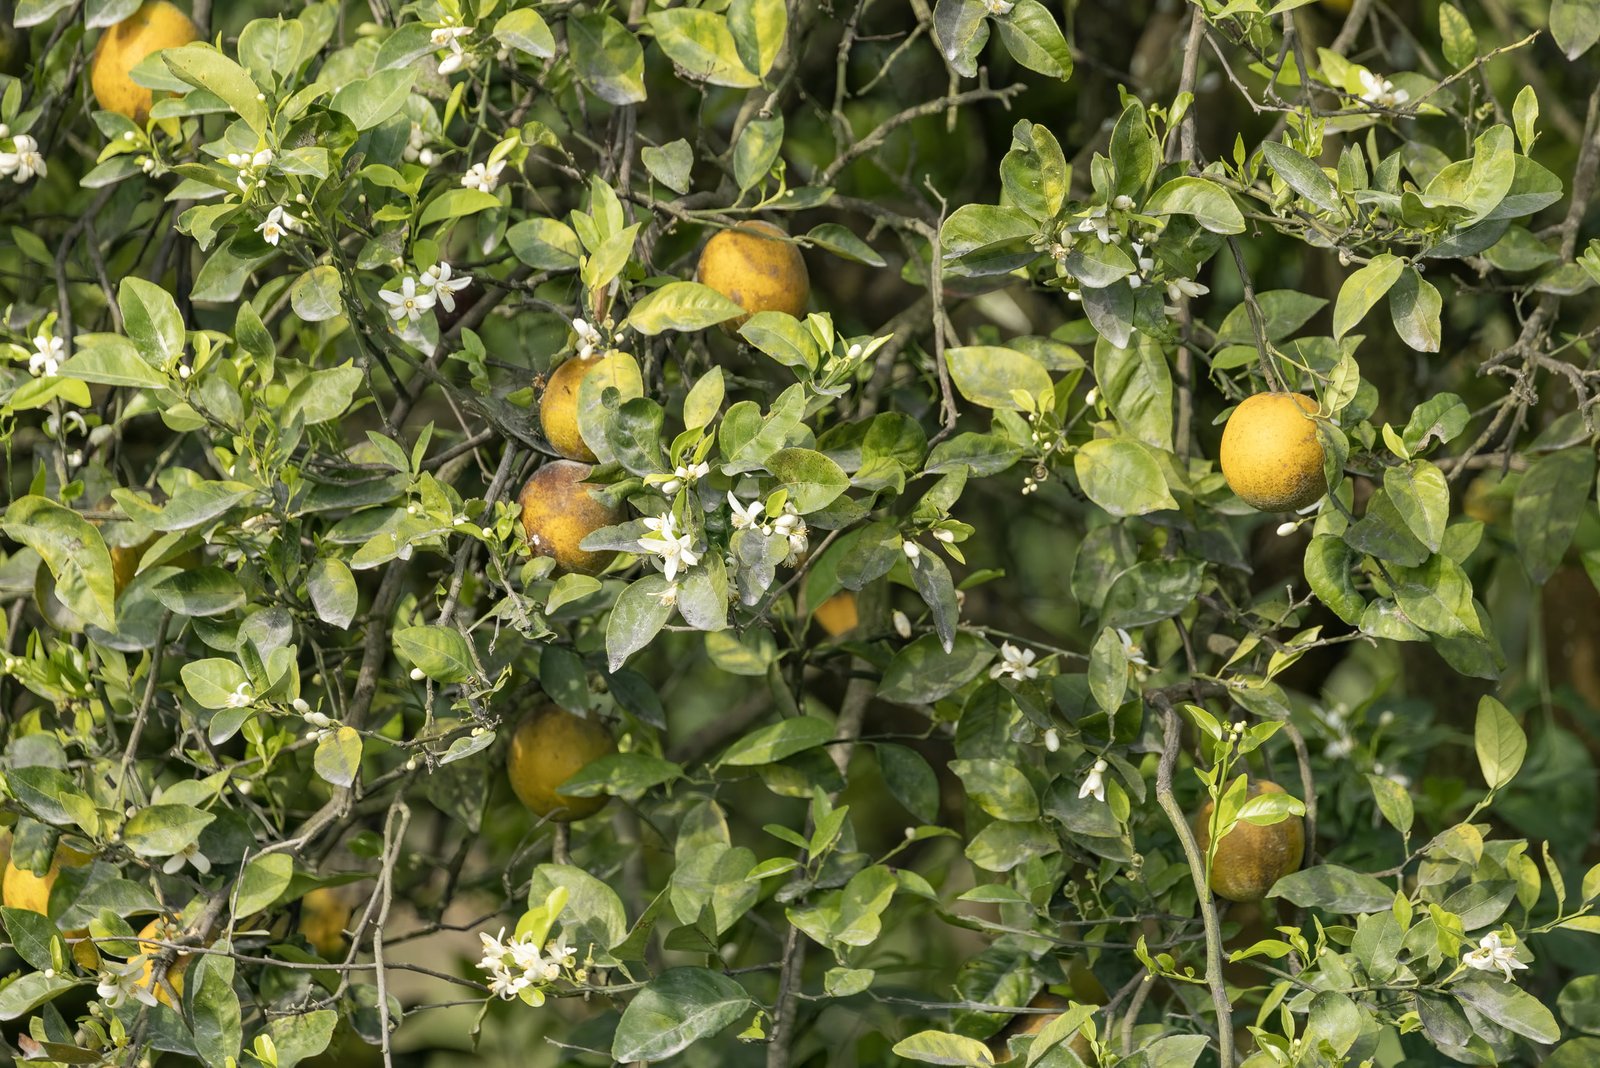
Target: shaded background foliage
[460, 860]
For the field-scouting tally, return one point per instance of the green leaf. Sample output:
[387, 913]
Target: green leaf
[702, 46]
[1363, 289]
[1034, 40]
[910, 779]
[440, 652]
[1334, 889]
[704, 400]
[214, 1008]
[676, 1009]
[27, 992]
[333, 591]
[262, 882]
[1422, 497]
[758, 28]
[670, 164]
[1500, 743]
[525, 30]
[757, 150]
[368, 102]
[455, 203]
[1575, 25]
[998, 788]
[813, 480]
[270, 47]
[637, 618]
[684, 306]
[938, 1047]
[1393, 802]
[993, 376]
[150, 316]
[198, 592]
[843, 242]
[162, 830]
[1455, 34]
[1414, 307]
[1549, 501]
[1208, 202]
[315, 295]
[303, 1036]
[1001, 846]
[73, 550]
[609, 59]
[1122, 476]
[338, 757]
[1507, 1005]
[775, 742]
[922, 672]
[782, 337]
[1302, 175]
[621, 774]
[32, 935]
[545, 244]
[203, 67]
[110, 360]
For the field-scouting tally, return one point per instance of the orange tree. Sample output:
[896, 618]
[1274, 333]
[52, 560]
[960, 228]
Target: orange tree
[728, 531]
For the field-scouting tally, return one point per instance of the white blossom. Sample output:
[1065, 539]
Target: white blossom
[1123, 202]
[1052, 740]
[443, 285]
[1178, 288]
[48, 352]
[119, 982]
[912, 550]
[1095, 220]
[1380, 91]
[483, 176]
[24, 160]
[408, 302]
[1340, 747]
[745, 515]
[1015, 662]
[188, 854]
[999, 7]
[1285, 529]
[901, 623]
[676, 551]
[588, 338]
[1493, 954]
[444, 34]
[1094, 782]
[454, 61]
[277, 223]
[243, 696]
[1131, 650]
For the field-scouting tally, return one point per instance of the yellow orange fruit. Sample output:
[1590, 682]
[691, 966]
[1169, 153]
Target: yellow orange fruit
[324, 914]
[22, 889]
[548, 748]
[837, 614]
[1270, 453]
[163, 929]
[156, 25]
[559, 511]
[558, 409]
[755, 266]
[1250, 859]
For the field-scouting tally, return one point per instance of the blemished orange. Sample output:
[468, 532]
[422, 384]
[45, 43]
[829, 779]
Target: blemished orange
[559, 511]
[156, 25]
[1270, 453]
[1250, 859]
[163, 929]
[22, 889]
[758, 268]
[548, 748]
[558, 409]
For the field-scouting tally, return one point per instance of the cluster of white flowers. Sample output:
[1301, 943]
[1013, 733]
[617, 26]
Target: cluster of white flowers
[1099, 221]
[250, 168]
[417, 150]
[1344, 742]
[23, 161]
[787, 524]
[483, 176]
[1380, 91]
[1493, 954]
[277, 223]
[676, 551]
[48, 352]
[684, 475]
[447, 35]
[1015, 662]
[517, 964]
[437, 285]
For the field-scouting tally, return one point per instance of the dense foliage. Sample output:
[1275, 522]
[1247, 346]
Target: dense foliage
[931, 676]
